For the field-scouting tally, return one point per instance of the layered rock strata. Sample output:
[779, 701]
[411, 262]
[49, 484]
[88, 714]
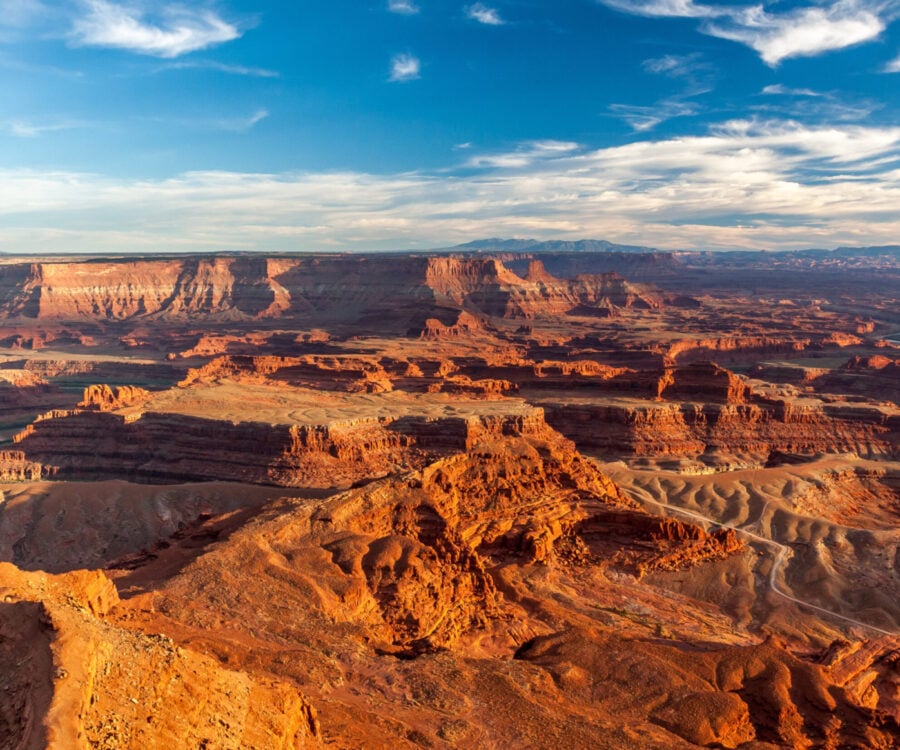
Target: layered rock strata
[170, 448]
[337, 288]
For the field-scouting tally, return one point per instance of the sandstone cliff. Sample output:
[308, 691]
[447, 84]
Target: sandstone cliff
[749, 431]
[703, 409]
[169, 448]
[339, 288]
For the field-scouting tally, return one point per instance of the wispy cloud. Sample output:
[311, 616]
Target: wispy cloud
[642, 119]
[745, 183]
[797, 32]
[696, 77]
[815, 106]
[226, 122]
[403, 7]
[20, 128]
[676, 66]
[174, 31]
[662, 8]
[404, 68]
[220, 67]
[778, 89]
[484, 14]
[893, 66]
[525, 154]
[242, 124]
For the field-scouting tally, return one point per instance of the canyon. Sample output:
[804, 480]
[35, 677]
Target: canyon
[511, 495]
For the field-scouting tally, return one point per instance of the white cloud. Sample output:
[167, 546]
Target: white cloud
[778, 89]
[237, 70]
[747, 183]
[178, 31]
[893, 66]
[483, 14]
[803, 32]
[404, 68]
[776, 36]
[404, 7]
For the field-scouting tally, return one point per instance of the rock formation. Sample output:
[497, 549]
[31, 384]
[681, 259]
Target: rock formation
[80, 681]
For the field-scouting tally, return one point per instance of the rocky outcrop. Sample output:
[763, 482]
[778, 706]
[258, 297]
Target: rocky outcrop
[73, 680]
[104, 398]
[868, 671]
[352, 374]
[705, 382]
[483, 387]
[411, 558]
[878, 363]
[704, 348]
[644, 544]
[15, 467]
[463, 325]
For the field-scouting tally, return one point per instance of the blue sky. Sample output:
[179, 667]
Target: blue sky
[383, 124]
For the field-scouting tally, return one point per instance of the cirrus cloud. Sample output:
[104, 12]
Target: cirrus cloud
[176, 31]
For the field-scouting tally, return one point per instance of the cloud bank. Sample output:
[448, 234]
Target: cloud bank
[746, 183]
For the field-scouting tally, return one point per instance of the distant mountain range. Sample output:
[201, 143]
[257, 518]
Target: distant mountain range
[499, 245]
[528, 246]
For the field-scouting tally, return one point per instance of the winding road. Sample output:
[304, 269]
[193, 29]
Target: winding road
[782, 552]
